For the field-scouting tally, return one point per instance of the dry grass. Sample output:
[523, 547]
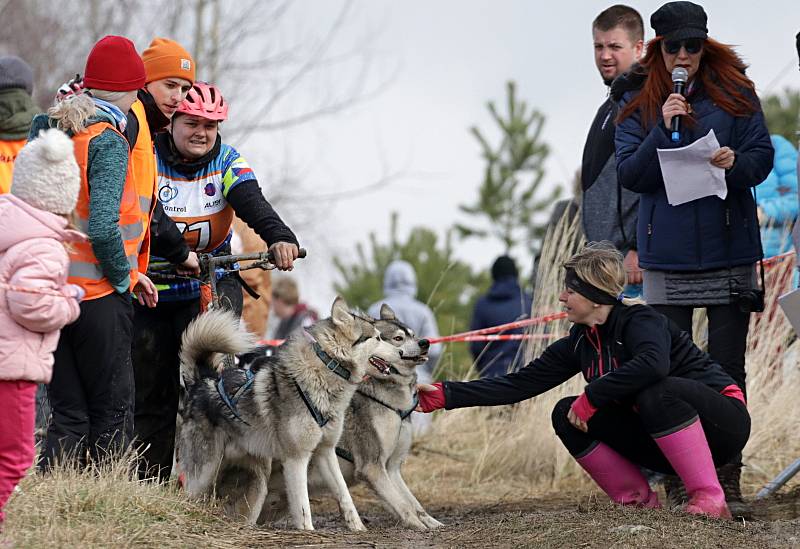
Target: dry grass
[471, 457]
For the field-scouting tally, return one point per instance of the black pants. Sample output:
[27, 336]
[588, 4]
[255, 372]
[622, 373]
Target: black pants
[156, 344]
[727, 334]
[663, 408]
[91, 392]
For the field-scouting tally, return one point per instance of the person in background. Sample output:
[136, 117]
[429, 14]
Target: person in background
[702, 253]
[292, 315]
[777, 199]
[92, 391]
[609, 211]
[400, 293]
[504, 302]
[17, 110]
[36, 300]
[169, 75]
[652, 398]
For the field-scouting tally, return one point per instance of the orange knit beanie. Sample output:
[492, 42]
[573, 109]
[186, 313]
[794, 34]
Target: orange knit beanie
[166, 58]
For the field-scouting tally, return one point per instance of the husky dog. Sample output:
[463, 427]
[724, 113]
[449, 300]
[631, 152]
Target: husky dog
[285, 407]
[377, 432]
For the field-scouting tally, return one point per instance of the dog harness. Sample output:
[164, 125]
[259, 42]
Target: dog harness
[232, 401]
[402, 413]
[331, 364]
[347, 456]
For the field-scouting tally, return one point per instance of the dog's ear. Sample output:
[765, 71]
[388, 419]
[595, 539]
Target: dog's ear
[340, 312]
[387, 313]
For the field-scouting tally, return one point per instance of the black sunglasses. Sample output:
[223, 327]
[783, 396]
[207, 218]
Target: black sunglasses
[692, 45]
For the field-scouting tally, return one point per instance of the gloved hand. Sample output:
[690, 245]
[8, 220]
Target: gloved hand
[431, 397]
[581, 412]
[76, 291]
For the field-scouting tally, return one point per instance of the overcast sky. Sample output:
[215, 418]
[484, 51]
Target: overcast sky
[447, 58]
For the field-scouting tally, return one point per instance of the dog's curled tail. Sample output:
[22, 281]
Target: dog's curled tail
[213, 332]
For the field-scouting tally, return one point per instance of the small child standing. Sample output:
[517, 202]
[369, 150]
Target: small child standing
[35, 299]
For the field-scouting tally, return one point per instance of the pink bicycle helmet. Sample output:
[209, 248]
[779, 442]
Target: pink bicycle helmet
[206, 101]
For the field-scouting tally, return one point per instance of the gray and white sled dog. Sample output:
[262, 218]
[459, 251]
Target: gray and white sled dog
[286, 407]
[376, 439]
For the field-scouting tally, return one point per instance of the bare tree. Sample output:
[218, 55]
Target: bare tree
[240, 46]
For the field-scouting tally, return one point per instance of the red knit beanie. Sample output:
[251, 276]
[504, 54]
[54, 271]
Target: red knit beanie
[114, 65]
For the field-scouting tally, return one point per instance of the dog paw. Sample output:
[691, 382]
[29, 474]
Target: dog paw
[430, 522]
[357, 527]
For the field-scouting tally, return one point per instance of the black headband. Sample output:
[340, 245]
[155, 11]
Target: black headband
[592, 293]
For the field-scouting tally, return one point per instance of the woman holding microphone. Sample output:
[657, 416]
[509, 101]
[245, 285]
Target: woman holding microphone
[701, 253]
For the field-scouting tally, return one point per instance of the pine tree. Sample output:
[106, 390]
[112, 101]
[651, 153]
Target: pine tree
[511, 199]
[782, 113]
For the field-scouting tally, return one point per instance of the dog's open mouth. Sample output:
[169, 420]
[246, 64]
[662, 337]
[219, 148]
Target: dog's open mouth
[380, 364]
[417, 359]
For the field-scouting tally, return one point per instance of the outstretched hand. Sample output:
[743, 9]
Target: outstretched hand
[431, 397]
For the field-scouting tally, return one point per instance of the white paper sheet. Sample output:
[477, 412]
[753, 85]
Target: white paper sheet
[688, 173]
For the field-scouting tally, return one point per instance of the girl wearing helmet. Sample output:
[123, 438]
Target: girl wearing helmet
[202, 182]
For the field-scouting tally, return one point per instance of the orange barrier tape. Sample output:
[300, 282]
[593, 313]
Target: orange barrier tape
[486, 337]
[770, 261]
[501, 328]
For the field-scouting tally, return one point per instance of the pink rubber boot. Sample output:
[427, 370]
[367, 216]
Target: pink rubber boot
[688, 453]
[618, 477]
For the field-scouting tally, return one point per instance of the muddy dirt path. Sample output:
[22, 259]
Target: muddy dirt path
[547, 523]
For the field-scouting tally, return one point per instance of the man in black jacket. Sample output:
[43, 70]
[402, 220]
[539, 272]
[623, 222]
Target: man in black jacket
[609, 211]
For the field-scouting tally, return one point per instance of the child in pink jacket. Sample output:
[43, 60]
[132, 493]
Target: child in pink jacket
[35, 299]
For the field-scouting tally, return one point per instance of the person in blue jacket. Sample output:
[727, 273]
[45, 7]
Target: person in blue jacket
[504, 302]
[701, 253]
[777, 199]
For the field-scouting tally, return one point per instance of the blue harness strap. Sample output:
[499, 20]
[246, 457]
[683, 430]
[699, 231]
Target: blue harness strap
[231, 402]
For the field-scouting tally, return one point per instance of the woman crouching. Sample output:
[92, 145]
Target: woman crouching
[653, 399]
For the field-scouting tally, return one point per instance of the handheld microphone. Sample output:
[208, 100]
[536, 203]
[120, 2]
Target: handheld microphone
[679, 78]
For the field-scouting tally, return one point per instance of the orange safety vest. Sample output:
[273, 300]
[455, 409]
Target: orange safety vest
[8, 153]
[145, 176]
[84, 268]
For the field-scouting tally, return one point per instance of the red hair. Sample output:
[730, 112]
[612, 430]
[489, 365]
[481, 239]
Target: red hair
[721, 74]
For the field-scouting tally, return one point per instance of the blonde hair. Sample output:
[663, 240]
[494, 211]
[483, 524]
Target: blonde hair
[285, 289]
[72, 114]
[600, 264]
[72, 224]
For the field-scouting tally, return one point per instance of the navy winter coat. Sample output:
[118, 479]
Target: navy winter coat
[505, 302]
[708, 233]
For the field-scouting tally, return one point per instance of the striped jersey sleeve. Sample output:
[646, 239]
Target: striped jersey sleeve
[235, 169]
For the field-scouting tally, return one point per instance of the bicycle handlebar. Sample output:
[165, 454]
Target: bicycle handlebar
[209, 263]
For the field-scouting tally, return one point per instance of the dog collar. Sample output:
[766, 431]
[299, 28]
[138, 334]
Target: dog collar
[330, 363]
